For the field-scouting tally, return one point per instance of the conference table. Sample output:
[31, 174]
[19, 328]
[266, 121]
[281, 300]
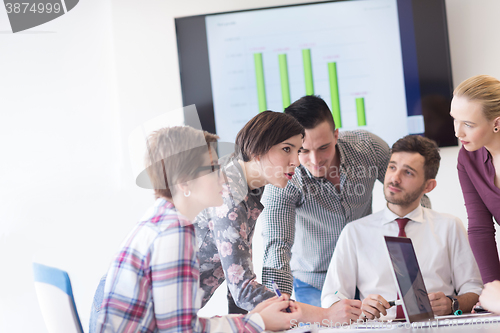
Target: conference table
[488, 323]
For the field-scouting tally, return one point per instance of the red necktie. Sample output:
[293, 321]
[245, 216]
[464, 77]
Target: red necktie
[402, 224]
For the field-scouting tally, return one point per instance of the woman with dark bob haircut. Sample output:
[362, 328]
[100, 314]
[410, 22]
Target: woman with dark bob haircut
[266, 152]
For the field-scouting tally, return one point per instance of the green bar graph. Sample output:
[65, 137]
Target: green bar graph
[308, 74]
[285, 85]
[360, 110]
[261, 86]
[334, 93]
[309, 84]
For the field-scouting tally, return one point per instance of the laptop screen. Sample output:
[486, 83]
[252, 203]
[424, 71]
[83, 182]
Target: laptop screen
[409, 279]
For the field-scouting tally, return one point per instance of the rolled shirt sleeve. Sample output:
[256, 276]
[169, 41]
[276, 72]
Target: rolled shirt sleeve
[278, 231]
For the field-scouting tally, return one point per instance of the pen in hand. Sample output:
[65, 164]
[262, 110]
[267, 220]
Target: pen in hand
[394, 303]
[278, 293]
[340, 295]
[391, 303]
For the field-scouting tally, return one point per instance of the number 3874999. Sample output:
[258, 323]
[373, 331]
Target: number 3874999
[24, 7]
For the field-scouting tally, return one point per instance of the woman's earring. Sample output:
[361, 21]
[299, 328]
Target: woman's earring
[187, 194]
[496, 129]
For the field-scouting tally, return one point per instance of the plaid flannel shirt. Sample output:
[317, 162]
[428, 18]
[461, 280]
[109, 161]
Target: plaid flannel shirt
[153, 282]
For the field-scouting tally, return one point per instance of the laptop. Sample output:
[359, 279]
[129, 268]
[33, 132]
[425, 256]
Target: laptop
[410, 284]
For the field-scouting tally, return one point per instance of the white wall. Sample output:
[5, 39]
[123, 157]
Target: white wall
[72, 90]
[65, 188]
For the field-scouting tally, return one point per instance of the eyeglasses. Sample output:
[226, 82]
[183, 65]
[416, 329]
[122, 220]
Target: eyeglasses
[211, 168]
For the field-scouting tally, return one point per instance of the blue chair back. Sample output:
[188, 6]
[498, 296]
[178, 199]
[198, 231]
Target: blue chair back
[55, 297]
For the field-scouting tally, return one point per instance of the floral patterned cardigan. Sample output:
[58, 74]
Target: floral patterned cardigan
[224, 237]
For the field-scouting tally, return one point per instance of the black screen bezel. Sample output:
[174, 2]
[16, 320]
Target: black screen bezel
[432, 53]
[421, 316]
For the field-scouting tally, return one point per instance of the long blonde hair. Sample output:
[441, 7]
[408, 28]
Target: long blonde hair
[484, 89]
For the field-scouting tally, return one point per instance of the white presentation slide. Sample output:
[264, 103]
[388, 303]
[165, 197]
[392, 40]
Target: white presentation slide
[347, 52]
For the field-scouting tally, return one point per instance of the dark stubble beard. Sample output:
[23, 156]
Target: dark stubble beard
[407, 199]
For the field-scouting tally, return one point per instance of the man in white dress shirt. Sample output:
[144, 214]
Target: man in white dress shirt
[448, 267]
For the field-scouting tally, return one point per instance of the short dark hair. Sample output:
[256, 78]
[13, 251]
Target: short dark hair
[263, 131]
[425, 147]
[310, 111]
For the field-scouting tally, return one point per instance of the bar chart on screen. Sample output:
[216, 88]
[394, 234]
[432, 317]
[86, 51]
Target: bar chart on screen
[267, 60]
[303, 81]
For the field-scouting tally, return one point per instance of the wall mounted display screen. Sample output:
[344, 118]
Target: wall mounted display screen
[380, 65]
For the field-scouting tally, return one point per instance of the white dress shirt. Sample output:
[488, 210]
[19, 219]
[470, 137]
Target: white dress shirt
[360, 258]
